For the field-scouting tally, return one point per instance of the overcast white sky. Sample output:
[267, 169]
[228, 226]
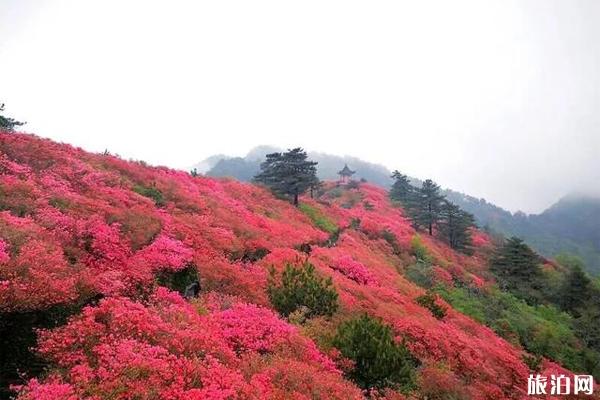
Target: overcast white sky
[499, 99]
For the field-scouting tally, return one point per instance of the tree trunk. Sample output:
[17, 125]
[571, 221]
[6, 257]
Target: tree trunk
[296, 199]
[429, 208]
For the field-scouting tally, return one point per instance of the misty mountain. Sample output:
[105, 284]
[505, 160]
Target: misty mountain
[244, 168]
[570, 225]
[235, 167]
[208, 163]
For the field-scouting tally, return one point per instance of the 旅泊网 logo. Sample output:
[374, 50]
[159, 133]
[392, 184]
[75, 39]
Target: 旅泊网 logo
[560, 385]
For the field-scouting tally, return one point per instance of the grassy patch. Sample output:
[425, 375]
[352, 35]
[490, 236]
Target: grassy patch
[318, 218]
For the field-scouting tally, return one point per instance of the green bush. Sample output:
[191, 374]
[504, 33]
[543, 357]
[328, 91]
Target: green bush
[301, 287]
[533, 361]
[178, 280]
[379, 361]
[428, 300]
[249, 255]
[389, 237]
[318, 218]
[419, 274]
[419, 250]
[60, 202]
[152, 193]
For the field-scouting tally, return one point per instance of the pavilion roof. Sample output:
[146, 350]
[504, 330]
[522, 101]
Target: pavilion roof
[346, 171]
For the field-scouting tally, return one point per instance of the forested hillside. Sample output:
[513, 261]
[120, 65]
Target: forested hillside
[124, 281]
[569, 226]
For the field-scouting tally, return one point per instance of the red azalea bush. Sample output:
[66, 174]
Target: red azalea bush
[353, 270]
[166, 348]
[35, 278]
[164, 253]
[442, 276]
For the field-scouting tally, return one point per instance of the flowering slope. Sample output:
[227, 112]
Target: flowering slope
[94, 231]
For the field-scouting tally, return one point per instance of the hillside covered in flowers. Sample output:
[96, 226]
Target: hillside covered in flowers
[93, 250]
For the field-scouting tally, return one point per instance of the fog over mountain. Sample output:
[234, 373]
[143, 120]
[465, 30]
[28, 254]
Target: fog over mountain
[495, 98]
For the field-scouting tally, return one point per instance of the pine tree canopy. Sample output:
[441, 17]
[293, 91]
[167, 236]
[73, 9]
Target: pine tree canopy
[7, 123]
[428, 203]
[517, 268]
[289, 173]
[454, 226]
[379, 361]
[577, 288]
[402, 190]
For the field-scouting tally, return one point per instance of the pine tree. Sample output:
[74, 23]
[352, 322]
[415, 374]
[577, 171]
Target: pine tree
[402, 190]
[289, 173]
[454, 226]
[301, 287]
[428, 201]
[379, 361]
[7, 123]
[517, 269]
[587, 323]
[575, 291]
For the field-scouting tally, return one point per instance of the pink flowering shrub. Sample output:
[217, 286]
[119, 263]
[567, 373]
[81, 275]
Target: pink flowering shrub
[442, 276]
[353, 270]
[164, 253]
[480, 239]
[167, 348]
[37, 277]
[52, 389]
[247, 327]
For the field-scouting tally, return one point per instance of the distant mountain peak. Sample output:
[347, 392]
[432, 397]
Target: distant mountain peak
[259, 152]
[580, 197]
